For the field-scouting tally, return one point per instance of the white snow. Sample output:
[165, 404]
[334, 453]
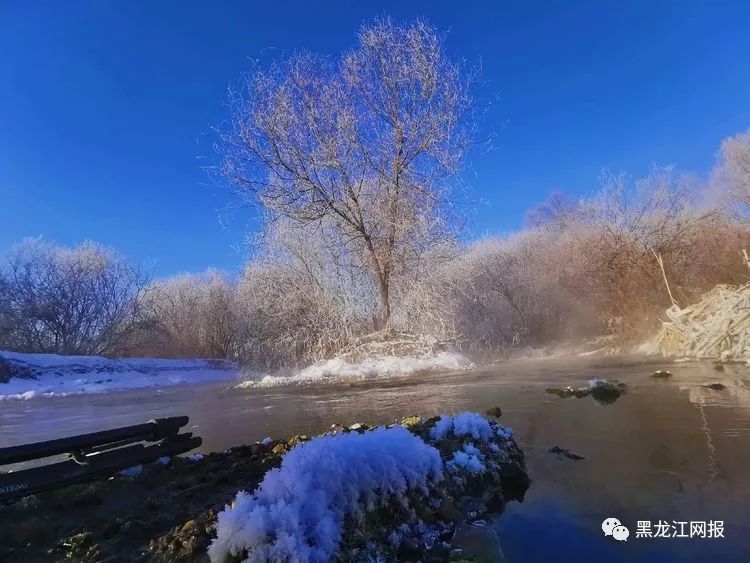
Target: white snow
[49, 375]
[466, 461]
[297, 512]
[442, 427]
[463, 424]
[504, 432]
[337, 369]
[471, 449]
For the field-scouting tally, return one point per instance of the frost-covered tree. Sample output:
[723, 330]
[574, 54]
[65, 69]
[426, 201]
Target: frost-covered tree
[82, 300]
[195, 315]
[365, 146]
[732, 174]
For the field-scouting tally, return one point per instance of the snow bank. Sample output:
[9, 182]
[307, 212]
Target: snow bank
[338, 369]
[298, 511]
[47, 375]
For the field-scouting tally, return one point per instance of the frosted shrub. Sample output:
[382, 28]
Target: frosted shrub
[469, 459]
[363, 495]
[195, 315]
[731, 176]
[81, 300]
[298, 511]
[463, 424]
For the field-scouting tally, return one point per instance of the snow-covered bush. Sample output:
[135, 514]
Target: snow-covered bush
[361, 494]
[463, 424]
[298, 511]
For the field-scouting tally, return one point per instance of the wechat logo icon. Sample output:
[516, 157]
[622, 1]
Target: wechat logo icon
[613, 527]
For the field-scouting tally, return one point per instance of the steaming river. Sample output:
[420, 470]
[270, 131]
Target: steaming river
[669, 450]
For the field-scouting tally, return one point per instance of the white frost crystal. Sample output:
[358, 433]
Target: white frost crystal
[298, 510]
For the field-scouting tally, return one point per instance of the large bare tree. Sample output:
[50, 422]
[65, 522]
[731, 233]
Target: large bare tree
[367, 146]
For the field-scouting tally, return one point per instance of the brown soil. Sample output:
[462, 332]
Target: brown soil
[166, 513]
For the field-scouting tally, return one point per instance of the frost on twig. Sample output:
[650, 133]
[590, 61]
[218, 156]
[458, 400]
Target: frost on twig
[718, 326]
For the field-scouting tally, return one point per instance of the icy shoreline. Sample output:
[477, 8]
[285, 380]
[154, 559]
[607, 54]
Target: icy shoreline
[49, 375]
[379, 367]
[29, 376]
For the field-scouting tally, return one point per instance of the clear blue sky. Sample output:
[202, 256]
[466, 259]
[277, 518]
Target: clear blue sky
[106, 106]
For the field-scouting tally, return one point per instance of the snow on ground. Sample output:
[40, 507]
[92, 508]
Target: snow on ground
[338, 369]
[49, 375]
[298, 511]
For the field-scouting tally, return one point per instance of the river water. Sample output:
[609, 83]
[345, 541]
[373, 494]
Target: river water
[668, 450]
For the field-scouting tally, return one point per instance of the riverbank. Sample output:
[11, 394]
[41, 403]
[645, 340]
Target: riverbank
[168, 510]
[29, 376]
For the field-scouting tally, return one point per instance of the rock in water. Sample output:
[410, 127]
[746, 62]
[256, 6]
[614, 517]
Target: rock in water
[662, 374]
[569, 392]
[562, 452]
[606, 392]
[716, 386]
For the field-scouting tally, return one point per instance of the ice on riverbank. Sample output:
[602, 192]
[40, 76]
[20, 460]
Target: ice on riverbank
[339, 369]
[28, 376]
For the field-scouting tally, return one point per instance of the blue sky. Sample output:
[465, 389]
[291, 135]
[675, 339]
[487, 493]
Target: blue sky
[106, 107]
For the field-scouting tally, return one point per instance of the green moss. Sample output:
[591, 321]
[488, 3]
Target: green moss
[411, 421]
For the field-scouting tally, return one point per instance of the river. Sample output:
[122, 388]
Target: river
[668, 450]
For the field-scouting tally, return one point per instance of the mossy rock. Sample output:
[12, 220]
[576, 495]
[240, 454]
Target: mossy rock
[411, 421]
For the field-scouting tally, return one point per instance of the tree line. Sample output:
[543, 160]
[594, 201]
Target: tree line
[582, 267]
[355, 163]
